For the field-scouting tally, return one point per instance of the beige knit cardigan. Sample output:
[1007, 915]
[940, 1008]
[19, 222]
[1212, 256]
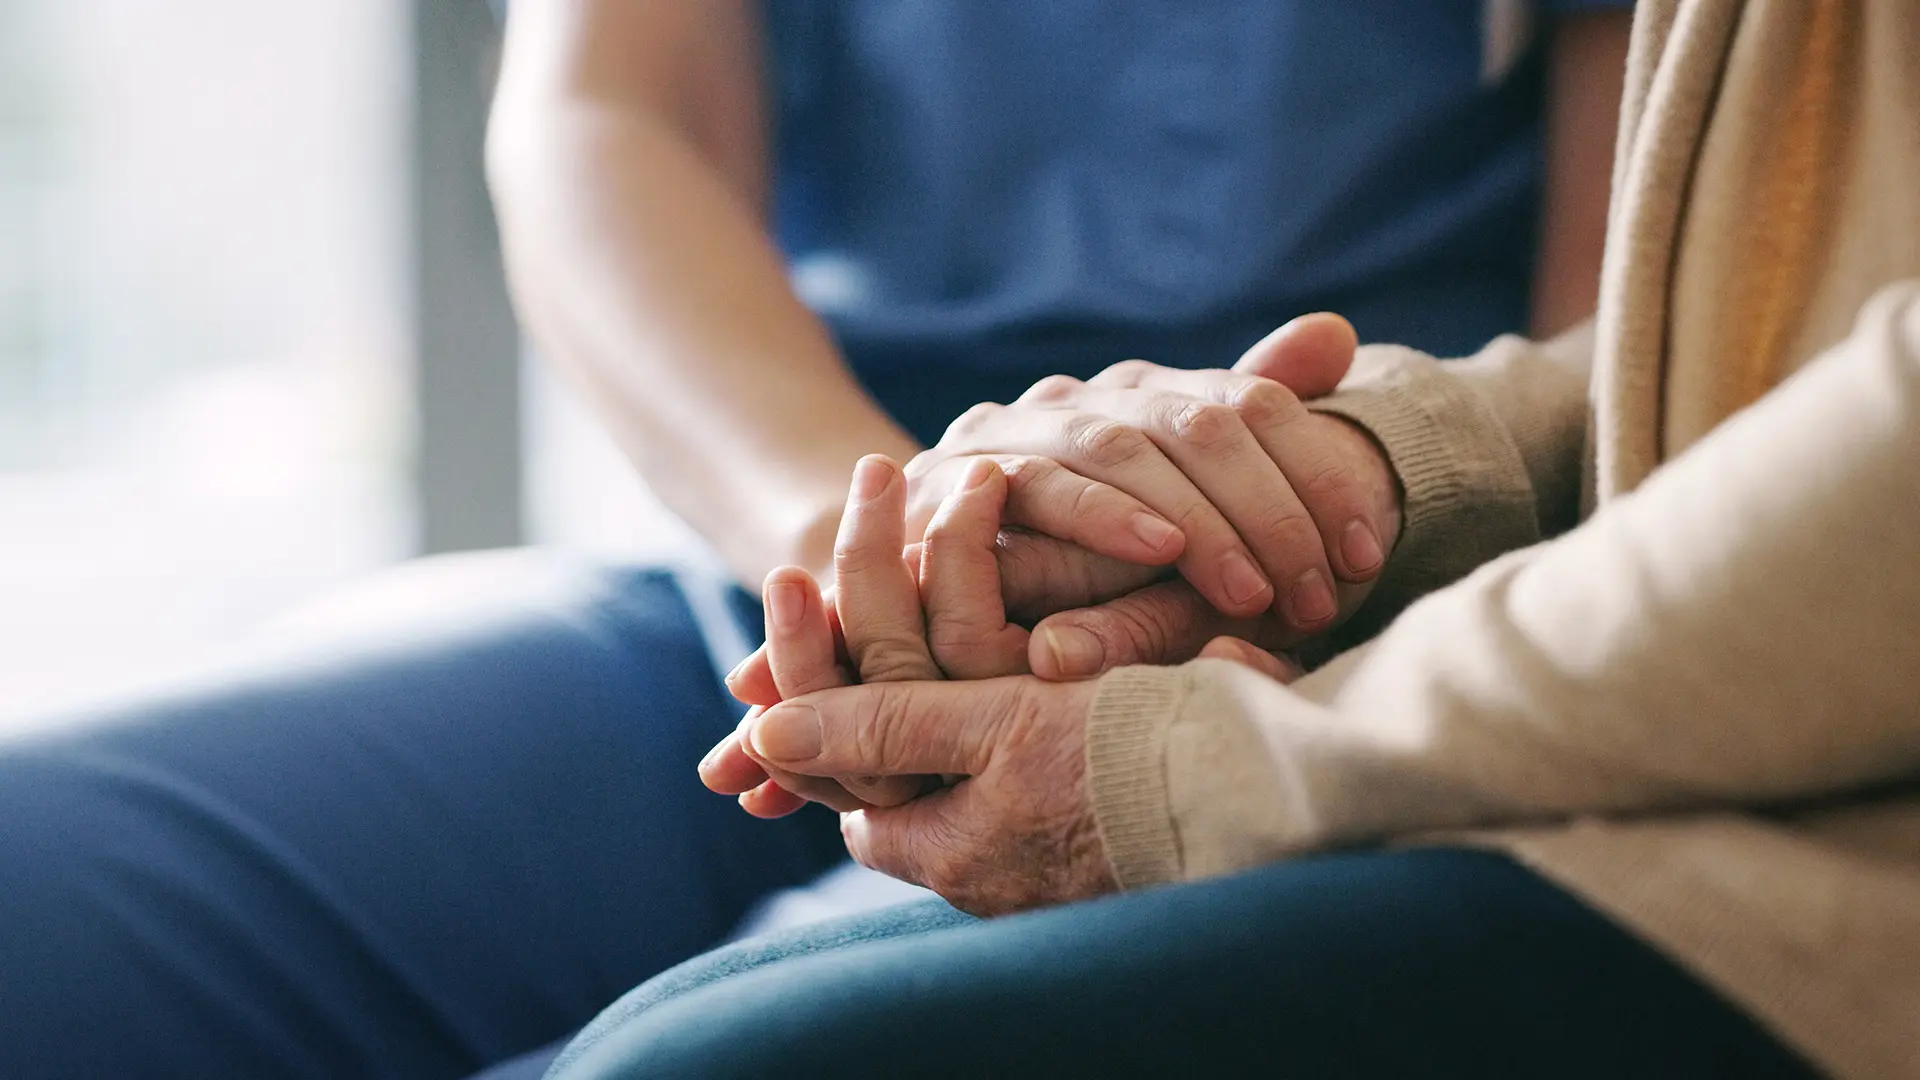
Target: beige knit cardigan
[1696, 706]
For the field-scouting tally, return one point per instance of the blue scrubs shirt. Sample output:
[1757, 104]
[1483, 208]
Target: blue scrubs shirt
[977, 193]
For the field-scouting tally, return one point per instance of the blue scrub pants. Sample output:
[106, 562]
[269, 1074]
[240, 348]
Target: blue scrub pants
[442, 844]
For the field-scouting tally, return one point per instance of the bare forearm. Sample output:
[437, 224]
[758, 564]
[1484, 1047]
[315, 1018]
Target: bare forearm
[647, 276]
[628, 155]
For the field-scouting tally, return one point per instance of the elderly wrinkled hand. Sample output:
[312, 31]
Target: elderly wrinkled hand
[1296, 488]
[1011, 826]
[1274, 506]
[890, 613]
[974, 789]
[1015, 828]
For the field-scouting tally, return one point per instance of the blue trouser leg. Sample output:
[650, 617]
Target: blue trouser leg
[1432, 963]
[410, 857]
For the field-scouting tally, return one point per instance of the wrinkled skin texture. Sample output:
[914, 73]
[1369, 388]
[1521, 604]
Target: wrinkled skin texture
[977, 790]
[1014, 831]
[1066, 559]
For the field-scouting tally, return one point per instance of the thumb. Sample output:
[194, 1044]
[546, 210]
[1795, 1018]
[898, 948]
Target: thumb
[887, 728]
[1167, 623]
[1309, 355]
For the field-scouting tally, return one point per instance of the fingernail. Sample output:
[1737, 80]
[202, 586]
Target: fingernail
[977, 474]
[1244, 581]
[1312, 599]
[869, 478]
[1075, 651]
[1153, 532]
[787, 604]
[787, 733]
[1361, 548]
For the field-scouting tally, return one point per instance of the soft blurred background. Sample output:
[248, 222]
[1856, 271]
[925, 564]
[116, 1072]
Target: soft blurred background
[254, 343]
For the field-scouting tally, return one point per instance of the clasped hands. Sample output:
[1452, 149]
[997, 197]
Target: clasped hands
[1148, 515]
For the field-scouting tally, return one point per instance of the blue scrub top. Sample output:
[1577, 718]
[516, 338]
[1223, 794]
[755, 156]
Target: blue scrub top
[977, 193]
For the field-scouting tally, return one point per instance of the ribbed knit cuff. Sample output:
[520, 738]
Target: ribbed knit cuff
[1468, 498]
[1127, 772]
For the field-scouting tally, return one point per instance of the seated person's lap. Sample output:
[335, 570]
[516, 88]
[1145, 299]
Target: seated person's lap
[1422, 963]
[409, 857]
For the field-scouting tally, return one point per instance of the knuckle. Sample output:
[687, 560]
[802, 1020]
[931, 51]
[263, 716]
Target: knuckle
[1053, 388]
[1107, 444]
[891, 660]
[1326, 477]
[869, 735]
[959, 545]
[983, 653]
[1263, 401]
[852, 560]
[955, 647]
[945, 539]
[1088, 502]
[1163, 623]
[1209, 537]
[961, 628]
[1205, 424]
[1021, 718]
[1026, 472]
[1127, 372]
[1149, 632]
[971, 422]
[1294, 536]
[1131, 633]
[1203, 524]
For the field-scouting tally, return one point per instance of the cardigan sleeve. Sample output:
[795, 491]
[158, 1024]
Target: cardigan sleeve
[1743, 629]
[1488, 450]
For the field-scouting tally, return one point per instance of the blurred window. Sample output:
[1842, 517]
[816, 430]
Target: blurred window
[203, 323]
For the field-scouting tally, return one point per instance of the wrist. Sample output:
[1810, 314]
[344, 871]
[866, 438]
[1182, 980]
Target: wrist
[796, 491]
